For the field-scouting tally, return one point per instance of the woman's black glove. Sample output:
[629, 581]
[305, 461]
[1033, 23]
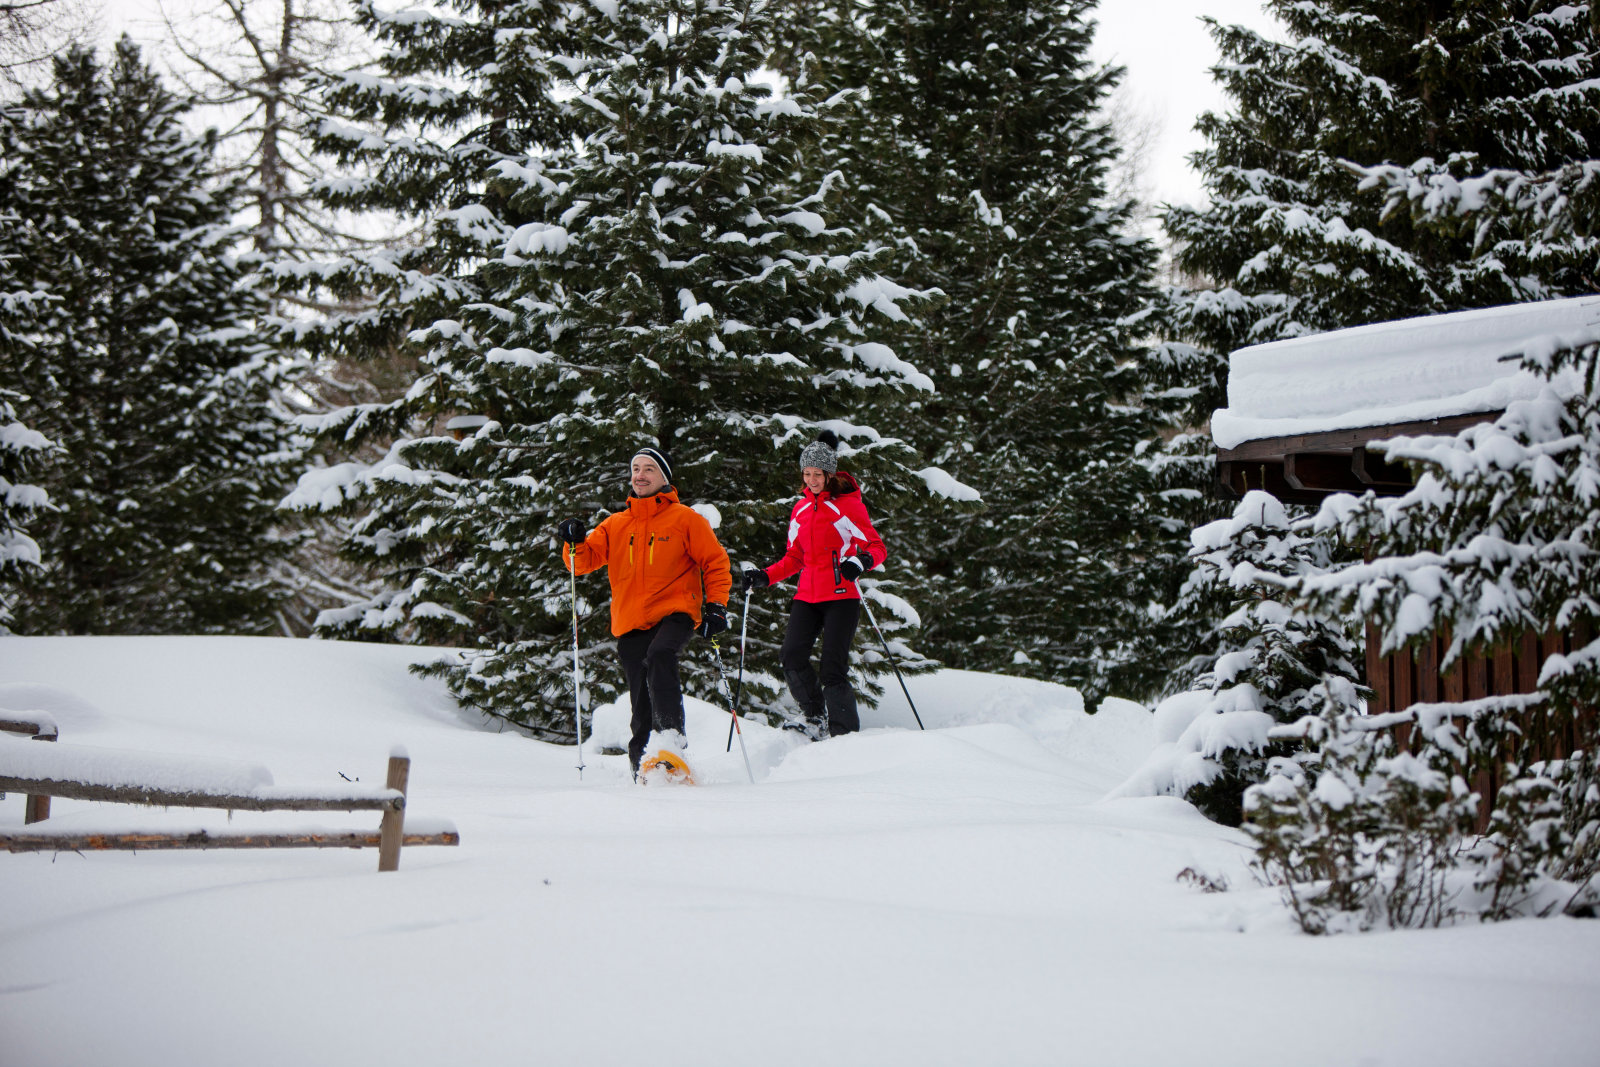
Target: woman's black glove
[753, 578]
[571, 531]
[853, 567]
[714, 620]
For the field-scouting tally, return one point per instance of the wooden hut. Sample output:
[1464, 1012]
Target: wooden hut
[1302, 418]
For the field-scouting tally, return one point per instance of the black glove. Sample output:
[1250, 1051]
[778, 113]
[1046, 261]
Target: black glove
[752, 578]
[852, 568]
[571, 531]
[714, 621]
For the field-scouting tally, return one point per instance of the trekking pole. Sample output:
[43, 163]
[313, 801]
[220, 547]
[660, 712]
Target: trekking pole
[577, 676]
[893, 664]
[738, 689]
[733, 708]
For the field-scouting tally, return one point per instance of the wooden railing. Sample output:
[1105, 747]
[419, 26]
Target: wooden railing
[72, 773]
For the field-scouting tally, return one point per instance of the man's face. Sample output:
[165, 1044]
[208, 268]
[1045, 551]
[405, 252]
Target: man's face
[646, 478]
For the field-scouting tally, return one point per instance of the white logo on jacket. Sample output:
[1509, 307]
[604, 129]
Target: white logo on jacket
[849, 533]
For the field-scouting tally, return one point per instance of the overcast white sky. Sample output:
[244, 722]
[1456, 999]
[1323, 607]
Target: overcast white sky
[1161, 42]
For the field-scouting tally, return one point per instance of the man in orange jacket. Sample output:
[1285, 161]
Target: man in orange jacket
[669, 579]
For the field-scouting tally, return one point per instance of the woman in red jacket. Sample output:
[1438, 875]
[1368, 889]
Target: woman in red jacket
[831, 542]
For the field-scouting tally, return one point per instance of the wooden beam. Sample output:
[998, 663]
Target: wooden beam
[1372, 470]
[1379, 669]
[1275, 448]
[1236, 479]
[28, 727]
[37, 809]
[1477, 676]
[1528, 662]
[26, 841]
[1504, 670]
[166, 798]
[391, 829]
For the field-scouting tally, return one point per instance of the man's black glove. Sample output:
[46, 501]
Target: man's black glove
[714, 621]
[571, 531]
[753, 578]
[852, 568]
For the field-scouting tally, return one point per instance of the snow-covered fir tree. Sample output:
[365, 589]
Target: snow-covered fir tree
[21, 451]
[1284, 663]
[1293, 242]
[658, 280]
[1533, 209]
[140, 355]
[978, 151]
[1500, 537]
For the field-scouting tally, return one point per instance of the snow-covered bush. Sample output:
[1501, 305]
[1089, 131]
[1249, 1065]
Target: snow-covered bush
[1355, 831]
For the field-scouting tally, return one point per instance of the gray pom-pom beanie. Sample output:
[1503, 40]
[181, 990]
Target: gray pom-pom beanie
[822, 453]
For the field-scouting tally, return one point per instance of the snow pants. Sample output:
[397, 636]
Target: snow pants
[649, 660]
[827, 700]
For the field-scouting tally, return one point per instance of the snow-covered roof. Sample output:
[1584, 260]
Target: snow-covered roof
[1393, 372]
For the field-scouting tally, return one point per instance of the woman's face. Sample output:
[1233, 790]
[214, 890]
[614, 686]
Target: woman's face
[815, 478]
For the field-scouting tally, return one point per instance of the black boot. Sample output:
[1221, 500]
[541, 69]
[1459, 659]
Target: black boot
[803, 687]
[842, 717]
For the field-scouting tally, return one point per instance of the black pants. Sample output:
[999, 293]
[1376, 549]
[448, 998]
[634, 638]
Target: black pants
[649, 659]
[827, 698]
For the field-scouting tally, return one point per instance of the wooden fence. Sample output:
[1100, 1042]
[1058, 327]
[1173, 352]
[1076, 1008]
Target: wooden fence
[1413, 676]
[68, 772]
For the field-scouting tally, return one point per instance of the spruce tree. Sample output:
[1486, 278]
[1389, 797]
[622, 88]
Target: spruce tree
[658, 280]
[1293, 241]
[21, 450]
[140, 357]
[978, 152]
[1530, 199]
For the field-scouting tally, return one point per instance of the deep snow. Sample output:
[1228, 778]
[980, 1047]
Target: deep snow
[964, 895]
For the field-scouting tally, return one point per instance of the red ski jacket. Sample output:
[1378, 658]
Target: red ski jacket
[823, 530]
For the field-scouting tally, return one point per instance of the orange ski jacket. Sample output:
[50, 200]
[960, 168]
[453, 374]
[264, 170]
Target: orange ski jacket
[661, 557]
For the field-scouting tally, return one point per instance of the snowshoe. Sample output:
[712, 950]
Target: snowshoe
[811, 731]
[665, 766]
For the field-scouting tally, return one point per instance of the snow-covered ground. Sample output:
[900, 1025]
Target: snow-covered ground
[964, 895]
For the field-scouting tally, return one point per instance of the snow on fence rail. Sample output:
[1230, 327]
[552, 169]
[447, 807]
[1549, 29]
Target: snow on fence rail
[81, 772]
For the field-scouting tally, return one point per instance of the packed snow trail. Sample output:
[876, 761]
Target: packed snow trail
[963, 895]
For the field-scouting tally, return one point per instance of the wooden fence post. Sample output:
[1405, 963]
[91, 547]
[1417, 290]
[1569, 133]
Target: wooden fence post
[38, 808]
[392, 829]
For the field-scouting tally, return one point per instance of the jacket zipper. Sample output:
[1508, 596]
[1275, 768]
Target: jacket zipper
[651, 558]
[630, 550]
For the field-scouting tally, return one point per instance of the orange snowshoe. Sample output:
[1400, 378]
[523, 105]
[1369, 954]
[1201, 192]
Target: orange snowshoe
[666, 766]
